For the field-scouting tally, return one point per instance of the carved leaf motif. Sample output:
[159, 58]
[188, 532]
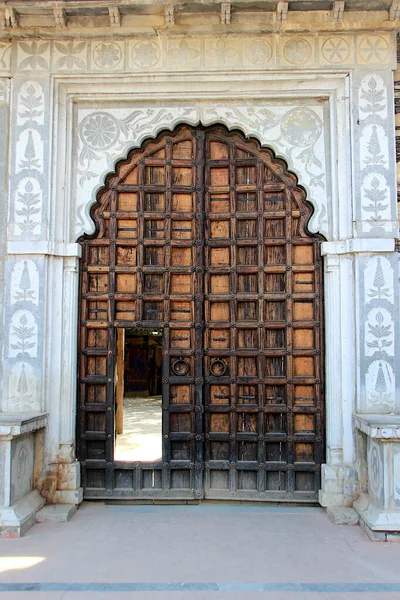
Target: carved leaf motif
[376, 206]
[374, 149]
[34, 50]
[378, 283]
[380, 332]
[374, 98]
[32, 102]
[70, 48]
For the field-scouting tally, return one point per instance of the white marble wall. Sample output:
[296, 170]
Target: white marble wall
[28, 224]
[379, 351]
[4, 121]
[335, 130]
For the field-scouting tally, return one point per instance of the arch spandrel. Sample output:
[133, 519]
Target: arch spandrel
[294, 134]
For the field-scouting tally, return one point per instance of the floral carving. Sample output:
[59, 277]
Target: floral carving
[146, 54]
[380, 383]
[107, 55]
[259, 120]
[70, 52]
[28, 204]
[373, 49]
[376, 156]
[375, 468]
[221, 52]
[22, 387]
[98, 135]
[336, 50]
[381, 335]
[34, 60]
[183, 54]
[380, 288]
[374, 98]
[31, 159]
[5, 50]
[24, 334]
[259, 52]
[301, 127]
[377, 202]
[99, 131]
[24, 282]
[30, 103]
[297, 51]
[25, 287]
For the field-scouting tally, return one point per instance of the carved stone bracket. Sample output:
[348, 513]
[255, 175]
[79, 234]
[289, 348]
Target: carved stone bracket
[338, 10]
[394, 11]
[225, 13]
[282, 9]
[169, 13]
[59, 16]
[115, 16]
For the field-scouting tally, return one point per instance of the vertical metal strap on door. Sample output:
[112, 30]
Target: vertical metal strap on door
[198, 311]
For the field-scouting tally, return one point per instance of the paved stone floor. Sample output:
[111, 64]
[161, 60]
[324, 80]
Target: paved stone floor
[142, 438]
[205, 552]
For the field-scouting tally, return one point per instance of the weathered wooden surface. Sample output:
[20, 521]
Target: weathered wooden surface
[119, 387]
[203, 233]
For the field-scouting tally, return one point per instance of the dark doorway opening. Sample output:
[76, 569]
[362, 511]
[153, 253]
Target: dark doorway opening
[138, 395]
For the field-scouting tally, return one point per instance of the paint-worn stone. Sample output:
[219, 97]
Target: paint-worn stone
[56, 513]
[341, 515]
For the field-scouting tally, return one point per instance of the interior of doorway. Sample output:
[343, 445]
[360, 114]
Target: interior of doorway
[138, 417]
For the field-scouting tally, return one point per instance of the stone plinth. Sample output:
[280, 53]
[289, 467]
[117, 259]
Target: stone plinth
[379, 507]
[20, 458]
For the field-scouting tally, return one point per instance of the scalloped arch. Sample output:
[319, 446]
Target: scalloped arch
[278, 165]
[250, 125]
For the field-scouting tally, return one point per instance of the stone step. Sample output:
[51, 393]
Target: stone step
[56, 513]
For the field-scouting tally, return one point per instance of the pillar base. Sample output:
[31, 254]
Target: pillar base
[16, 519]
[338, 486]
[61, 485]
[377, 521]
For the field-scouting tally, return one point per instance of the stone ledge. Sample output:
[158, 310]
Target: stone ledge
[381, 427]
[16, 519]
[357, 246]
[380, 536]
[46, 247]
[14, 424]
[375, 518]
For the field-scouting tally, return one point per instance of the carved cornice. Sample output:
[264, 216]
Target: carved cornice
[382, 427]
[17, 16]
[14, 424]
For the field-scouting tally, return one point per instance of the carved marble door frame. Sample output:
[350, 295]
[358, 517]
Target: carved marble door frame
[97, 119]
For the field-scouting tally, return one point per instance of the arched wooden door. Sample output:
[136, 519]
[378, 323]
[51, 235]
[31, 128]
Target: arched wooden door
[204, 234]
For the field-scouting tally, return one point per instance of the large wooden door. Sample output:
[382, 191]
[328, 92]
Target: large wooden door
[203, 233]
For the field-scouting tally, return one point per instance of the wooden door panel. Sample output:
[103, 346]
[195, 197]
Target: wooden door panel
[143, 269]
[204, 234]
[267, 404]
